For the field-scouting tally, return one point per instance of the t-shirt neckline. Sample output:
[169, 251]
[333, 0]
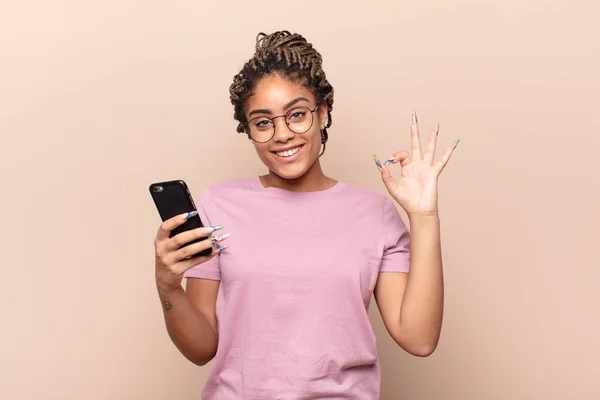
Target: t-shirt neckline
[257, 185]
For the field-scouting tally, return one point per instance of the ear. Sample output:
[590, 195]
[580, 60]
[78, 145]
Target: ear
[323, 108]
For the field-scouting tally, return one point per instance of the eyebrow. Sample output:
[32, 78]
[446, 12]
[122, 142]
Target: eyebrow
[288, 105]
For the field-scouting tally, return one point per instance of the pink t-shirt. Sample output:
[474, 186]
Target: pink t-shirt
[295, 288]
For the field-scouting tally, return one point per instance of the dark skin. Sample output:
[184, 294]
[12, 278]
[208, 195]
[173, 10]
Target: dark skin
[410, 304]
[272, 94]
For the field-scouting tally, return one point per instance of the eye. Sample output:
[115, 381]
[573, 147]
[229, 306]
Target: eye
[263, 123]
[297, 115]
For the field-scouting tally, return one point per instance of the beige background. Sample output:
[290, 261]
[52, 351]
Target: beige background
[99, 99]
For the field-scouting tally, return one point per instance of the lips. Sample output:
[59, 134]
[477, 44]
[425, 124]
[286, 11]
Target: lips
[287, 153]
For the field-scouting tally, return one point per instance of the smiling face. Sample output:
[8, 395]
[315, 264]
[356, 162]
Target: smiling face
[289, 155]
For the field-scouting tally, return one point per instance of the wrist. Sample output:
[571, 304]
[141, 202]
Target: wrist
[423, 221]
[429, 216]
[168, 291]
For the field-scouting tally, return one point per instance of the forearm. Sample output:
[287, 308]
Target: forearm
[189, 330]
[423, 302]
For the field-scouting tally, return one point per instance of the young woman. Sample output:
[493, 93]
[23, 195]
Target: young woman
[282, 308]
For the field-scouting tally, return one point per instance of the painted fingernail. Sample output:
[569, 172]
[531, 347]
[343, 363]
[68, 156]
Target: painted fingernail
[377, 161]
[456, 143]
[222, 248]
[219, 239]
[414, 117]
[389, 161]
[217, 227]
[191, 214]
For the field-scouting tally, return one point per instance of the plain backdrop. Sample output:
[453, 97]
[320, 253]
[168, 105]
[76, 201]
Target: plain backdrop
[98, 99]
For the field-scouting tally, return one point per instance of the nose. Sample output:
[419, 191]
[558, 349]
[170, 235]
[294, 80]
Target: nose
[282, 132]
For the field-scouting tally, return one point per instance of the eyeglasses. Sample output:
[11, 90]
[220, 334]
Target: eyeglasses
[298, 120]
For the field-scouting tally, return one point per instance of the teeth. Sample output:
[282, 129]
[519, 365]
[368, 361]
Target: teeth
[288, 153]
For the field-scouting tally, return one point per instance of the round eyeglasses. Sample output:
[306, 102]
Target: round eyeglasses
[298, 120]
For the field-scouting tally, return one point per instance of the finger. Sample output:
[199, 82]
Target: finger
[441, 164]
[167, 226]
[386, 176]
[388, 179]
[184, 265]
[185, 237]
[414, 138]
[402, 157]
[430, 150]
[190, 250]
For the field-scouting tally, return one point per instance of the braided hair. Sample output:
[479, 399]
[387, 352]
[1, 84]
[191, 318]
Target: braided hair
[289, 55]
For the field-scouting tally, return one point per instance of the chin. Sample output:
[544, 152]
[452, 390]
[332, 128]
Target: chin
[288, 174]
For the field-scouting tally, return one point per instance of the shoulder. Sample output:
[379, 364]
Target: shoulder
[364, 195]
[228, 188]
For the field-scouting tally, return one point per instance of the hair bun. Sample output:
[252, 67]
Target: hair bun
[279, 40]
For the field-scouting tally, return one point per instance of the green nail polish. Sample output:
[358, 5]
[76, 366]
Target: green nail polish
[456, 143]
[377, 161]
[217, 227]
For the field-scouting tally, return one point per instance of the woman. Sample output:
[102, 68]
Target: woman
[282, 308]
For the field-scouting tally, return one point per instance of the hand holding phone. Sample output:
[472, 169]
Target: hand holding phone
[182, 242]
[175, 255]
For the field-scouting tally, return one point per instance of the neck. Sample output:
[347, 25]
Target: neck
[312, 181]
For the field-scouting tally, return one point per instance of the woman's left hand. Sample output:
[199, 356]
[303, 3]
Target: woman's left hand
[416, 191]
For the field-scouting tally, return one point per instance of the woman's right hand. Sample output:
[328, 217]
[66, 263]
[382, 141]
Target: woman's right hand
[172, 260]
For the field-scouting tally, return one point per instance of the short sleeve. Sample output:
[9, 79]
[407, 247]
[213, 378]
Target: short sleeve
[211, 268]
[396, 252]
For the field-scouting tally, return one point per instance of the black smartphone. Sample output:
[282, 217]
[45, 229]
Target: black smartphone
[173, 198]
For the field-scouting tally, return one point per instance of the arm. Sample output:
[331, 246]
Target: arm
[190, 316]
[191, 319]
[411, 305]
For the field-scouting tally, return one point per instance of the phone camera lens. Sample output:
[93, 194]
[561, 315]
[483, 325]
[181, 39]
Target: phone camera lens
[158, 188]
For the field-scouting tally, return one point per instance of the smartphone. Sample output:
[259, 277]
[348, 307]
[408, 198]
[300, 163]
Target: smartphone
[173, 198]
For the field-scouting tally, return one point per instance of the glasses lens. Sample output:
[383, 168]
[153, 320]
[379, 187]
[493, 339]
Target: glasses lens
[261, 129]
[299, 120]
